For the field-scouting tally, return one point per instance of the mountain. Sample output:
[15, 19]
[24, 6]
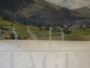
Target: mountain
[83, 12]
[12, 4]
[37, 12]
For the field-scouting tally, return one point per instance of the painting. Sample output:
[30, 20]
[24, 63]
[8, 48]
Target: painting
[45, 20]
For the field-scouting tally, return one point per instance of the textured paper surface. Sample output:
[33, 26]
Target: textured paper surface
[44, 54]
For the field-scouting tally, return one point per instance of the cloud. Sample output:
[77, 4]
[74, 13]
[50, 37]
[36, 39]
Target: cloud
[71, 4]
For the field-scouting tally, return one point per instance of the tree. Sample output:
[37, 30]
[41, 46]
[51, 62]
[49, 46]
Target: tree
[67, 30]
[40, 26]
[1, 26]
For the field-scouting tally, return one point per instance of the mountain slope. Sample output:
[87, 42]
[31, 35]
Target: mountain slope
[12, 4]
[83, 12]
[40, 11]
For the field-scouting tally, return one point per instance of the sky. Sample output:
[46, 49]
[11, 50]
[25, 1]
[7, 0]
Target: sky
[71, 4]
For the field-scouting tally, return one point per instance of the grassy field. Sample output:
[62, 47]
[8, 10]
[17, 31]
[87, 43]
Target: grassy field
[43, 34]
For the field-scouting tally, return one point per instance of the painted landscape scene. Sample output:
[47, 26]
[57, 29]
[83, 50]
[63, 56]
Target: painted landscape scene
[45, 20]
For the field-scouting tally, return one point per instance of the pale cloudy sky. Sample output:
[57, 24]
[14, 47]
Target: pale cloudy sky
[72, 4]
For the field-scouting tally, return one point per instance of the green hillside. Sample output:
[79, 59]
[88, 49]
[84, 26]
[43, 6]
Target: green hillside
[41, 33]
[7, 26]
[21, 29]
